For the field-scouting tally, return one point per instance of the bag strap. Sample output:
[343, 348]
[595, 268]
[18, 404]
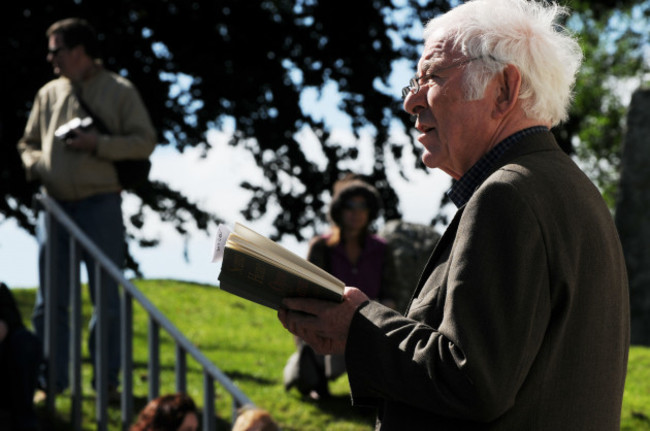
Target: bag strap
[101, 126]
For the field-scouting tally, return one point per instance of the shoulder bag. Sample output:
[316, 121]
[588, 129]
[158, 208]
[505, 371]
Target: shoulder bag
[130, 173]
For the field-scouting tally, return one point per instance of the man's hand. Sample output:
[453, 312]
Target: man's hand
[82, 141]
[324, 325]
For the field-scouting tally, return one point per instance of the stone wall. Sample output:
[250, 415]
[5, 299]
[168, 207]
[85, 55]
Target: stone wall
[633, 213]
[411, 245]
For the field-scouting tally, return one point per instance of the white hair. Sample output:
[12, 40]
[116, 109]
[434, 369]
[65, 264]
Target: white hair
[523, 33]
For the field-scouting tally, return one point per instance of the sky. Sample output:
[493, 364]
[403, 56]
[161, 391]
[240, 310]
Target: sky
[213, 182]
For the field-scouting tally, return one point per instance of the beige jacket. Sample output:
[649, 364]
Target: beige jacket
[72, 175]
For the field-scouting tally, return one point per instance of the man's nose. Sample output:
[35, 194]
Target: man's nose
[414, 103]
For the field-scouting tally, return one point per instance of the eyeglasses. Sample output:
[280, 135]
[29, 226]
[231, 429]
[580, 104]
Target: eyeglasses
[55, 51]
[414, 83]
[355, 205]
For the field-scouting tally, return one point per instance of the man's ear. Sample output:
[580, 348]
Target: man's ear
[509, 83]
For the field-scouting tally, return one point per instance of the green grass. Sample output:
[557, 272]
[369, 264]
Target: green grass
[247, 342]
[636, 399]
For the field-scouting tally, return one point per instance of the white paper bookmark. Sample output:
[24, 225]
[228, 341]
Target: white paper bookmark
[220, 242]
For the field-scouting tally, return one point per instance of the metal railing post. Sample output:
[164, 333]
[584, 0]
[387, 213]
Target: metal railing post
[180, 368]
[101, 352]
[50, 320]
[209, 422]
[154, 359]
[56, 218]
[127, 360]
[75, 336]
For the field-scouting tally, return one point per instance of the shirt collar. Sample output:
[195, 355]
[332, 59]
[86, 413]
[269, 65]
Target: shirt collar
[463, 189]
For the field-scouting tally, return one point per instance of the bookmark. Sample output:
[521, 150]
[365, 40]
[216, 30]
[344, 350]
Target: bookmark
[220, 242]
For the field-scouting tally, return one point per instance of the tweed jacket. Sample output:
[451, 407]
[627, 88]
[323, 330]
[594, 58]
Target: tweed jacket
[520, 320]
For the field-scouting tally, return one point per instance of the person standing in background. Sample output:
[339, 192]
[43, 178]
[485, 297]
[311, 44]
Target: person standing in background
[77, 170]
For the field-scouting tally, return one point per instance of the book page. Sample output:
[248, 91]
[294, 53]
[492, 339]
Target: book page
[271, 247]
[242, 245]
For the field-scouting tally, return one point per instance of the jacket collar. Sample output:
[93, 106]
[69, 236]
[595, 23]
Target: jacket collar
[539, 142]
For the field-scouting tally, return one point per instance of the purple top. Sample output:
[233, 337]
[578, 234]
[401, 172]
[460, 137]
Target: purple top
[367, 274]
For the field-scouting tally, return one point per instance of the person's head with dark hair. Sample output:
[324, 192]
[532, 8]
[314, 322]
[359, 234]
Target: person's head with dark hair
[355, 205]
[73, 49]
[76, 32]
[174, 412]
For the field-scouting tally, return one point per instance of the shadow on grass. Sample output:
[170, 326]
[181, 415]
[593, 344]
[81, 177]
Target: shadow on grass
[51, 421]
[340, 407]
[236, 375]
[640, 416]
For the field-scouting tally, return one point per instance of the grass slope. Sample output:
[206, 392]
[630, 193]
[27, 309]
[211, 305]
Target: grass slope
[248, 343]
[245, 340]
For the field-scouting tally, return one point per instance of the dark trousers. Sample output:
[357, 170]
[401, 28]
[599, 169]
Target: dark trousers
[99, 217]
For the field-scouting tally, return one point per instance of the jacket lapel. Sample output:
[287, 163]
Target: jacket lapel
[445, 241]
[529, 144]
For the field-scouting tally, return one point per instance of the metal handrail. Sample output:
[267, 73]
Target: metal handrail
[56, 218]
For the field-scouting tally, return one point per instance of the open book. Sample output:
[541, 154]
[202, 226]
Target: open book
[260, 270]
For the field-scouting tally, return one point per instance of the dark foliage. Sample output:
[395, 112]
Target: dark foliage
[247, 60]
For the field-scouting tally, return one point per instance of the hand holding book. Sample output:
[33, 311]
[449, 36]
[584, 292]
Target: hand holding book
[324, 326]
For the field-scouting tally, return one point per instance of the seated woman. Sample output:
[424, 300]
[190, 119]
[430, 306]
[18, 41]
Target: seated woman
[352, 253]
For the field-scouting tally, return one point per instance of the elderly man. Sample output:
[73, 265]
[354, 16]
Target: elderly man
[77, 170]
[520, 320]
